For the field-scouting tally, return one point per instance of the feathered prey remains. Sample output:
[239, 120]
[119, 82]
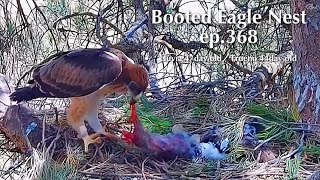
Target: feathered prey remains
[179, 144]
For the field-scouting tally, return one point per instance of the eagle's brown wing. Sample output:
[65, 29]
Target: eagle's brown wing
[77, 73]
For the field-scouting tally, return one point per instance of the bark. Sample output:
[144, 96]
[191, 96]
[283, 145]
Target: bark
[306, 78]
[22, 128]
[18, 123]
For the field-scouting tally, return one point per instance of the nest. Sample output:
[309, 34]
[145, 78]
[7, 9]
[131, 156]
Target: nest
[58, 153]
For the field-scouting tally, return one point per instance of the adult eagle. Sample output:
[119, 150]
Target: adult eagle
[86, 76]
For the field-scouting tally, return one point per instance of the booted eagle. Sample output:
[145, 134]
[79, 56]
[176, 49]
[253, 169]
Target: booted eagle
[86, 76]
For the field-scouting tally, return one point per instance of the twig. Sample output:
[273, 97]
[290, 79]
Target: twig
[44, 129]
[142, 169]
[102, 38]
[104, 175]
[53, 143]
[45, 19]
[280, 133]
[297, 150]
[89, 14]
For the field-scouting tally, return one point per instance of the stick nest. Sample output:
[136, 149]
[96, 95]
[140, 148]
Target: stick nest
[60, 154]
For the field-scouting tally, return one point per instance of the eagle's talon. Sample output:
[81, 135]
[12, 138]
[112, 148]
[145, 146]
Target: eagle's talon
[101, 73]
[110, 136]
[87, 140]
[94, 136]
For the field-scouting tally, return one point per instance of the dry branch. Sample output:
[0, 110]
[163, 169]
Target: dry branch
[15, 125]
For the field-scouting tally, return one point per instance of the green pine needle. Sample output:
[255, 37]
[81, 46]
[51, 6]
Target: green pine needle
[201, 107]
[274, 120]
[312, 150]
[54, 171]
[153, 123]
[292, 167]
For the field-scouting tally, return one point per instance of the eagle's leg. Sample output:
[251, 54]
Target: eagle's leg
[82, 131]
[94, 122]
[92, 139]
[75, 117]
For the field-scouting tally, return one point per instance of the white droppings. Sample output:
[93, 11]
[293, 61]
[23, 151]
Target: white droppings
[318, 92]
[296, 80]
[304, 84]
[306, 66]
[317, 101]
[305, 92]
[301, 105]
[304, 80]
[297, 93]
[303, 97]
[313, 80]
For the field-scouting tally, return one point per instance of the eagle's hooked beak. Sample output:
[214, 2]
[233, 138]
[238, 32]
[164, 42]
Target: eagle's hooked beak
[134, 98]
[132, 102]
[135, 92]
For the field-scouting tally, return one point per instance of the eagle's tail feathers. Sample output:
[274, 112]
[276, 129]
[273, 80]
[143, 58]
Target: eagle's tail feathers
[27, 93]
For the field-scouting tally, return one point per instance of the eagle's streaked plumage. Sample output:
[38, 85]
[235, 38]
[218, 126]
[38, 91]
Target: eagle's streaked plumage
[86, 76]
